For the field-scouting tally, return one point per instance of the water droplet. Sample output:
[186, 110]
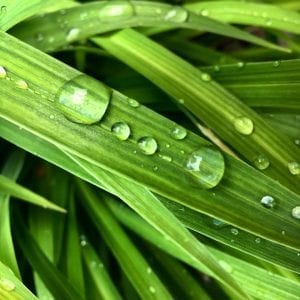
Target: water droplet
[234, 231]
[178, 133]
[296, 212]
[83, 99]
[268, 201]
[276, 63]
[257, 240]
[148, 145]
[121, 130]
[39, 37]
[204, 12]
[7, 284]
[177, 14]
[83, 241]
[72, 34]
[264, 14]
[112, 12]
[3, 10]
[297, 141]
[152, 289]
[22, 84]
[240, 64]
[283, 232]
[166, 157]
[243, 125]
[218, 223]
[205, 77]
[168, 145]
[294, 168]
[261, 162]
[83, 16]
[226, 266]
[149, 270]
[181, 101]
[206, 166]
[133, 103]
[2, 72]
[217, 68]
[298, 254]
[269, 23]
[51, 117]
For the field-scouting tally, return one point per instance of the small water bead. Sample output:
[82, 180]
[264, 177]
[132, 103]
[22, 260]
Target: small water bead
[148, 145]
[2, 72]
[149, 270]
[240, 64]
[204, 12]
[217, 68]
[276, 63]
[269, 23]
[181, 101]
[205, 77]
[297, 141]
[205, 166]
[234, 231]
[178, 133]
[72, 34]
[83, 99]
[294, 168]
[112, 12]
[155, 168]
[283, 232]
[121, 130]
[226, 266]
[83, 16]
[168, 145]
[166, 157]
[39, 37]
[22, 84]
[152, 289]
[243, 125]
[52, 117]
[3, 9]
[268, 201]
[218, 223]
[83, 241]
[177, 14]
[261, 162]
[296, 212]
[257, 240]
[7, 284]
[133, 103]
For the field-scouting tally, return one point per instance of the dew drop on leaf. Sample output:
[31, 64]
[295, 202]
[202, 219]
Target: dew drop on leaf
[243, 125]
[218, 223]
[205, 77]
[296, 212]
[177, 14]
[234, 231]
[121, 130]
[113, 12]
[7, 284]
[205, 166]
[276, 63]
[261, 162]
[294, 168]
[268, 201]
[72, 34]
[22, 84]
[152, 289]
[148, 145]
[204, 12]
[226, 266]
[178, 133]
[83, 99]
[133, 103]
[2, 72]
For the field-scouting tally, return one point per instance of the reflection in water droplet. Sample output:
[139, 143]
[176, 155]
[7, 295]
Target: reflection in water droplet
[206, 166]
[294, 168]
[268, 201]
[261, 162]
[205, 77]
[234, 231]
[83, 99]
[121, 130]
[219, 224]
[22, 84]
[148, 145]
[113, 12]
[72, 34]
[7, 284]
[2, 72]
[296, 212]
[177, 14]
[178, 133]
[133, 103]
[243, 125]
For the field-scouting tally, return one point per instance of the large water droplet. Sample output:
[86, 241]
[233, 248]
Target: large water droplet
[261, 162]
[294, 168]
[7, 284]
[178, 133]
[148, 145]
[83, 99]
[72, 34]
[296, 212]
[2, 72]
[206, 166]
[177, 14]
[121, 130]
[268, 201]
[113, 12]
[243, 125]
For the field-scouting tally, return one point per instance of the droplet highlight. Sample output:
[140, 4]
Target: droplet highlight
[205, 77]
[178, 133]
[72, 34]
[243, 125]
[22, 84]
[148, 145]
[296, 212]
[121, 130]
[268, 201]
[133, 103]
[234, 231]
[83, 100]
[2, 72]
[261, 162]
[294, 168]
[177, 14]
[7, 284]
[114, 12]
[205, 166]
